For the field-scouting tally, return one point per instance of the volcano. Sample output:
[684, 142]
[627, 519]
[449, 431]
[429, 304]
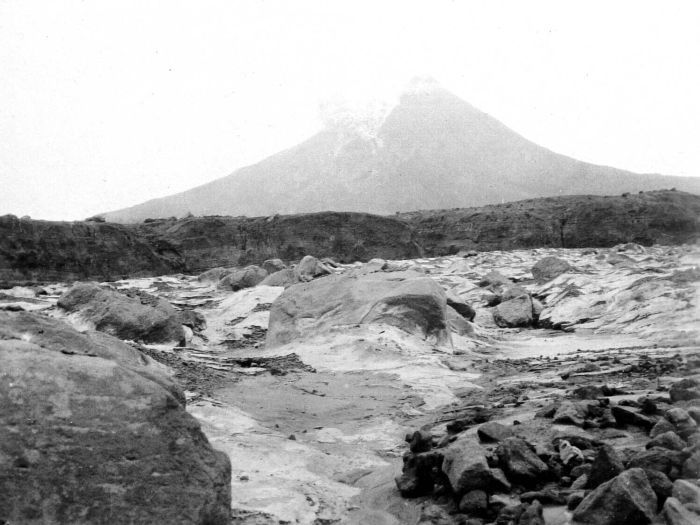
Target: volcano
[433, 150]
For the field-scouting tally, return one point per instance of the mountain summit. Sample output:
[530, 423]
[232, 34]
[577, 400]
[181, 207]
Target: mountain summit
[431, 151]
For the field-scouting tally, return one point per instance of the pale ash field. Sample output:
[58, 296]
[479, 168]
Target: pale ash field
[319, 437]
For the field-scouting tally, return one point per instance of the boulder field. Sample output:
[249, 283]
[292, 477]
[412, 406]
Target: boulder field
[390, 392]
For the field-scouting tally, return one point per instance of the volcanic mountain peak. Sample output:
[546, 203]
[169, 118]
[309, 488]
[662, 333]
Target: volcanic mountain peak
[431, 151]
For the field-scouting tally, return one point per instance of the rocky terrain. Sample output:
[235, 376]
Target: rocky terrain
[43, 251]
[432, 150]
[549, 385]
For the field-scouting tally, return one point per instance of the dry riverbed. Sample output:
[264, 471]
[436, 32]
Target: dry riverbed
[315, 430]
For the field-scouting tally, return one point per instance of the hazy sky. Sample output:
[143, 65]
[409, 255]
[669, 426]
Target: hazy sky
[107, 104]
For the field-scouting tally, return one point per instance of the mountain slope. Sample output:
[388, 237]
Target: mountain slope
[432, 151]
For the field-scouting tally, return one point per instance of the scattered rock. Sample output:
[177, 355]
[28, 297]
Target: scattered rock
[420, 441]
[286, 277]
[669, 440]
[310, 268]
[214, 275]
[572, 413]
[474, 502]
[686, 492]
[460, 306]
[273, 265]
[685, 389]
[606, 465]
[532, 514]
[520, 463]
[419, 473]
[245, 278]
[625, 415]
[676, 514]
[466, 467]
[493, 432]
[662, 425]
[548, 268]
[142, 317]
[660, 484]
[627, 499]
[656, 458]
[514, 313]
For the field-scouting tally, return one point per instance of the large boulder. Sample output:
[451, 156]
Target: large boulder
[85, 439]
[548, 268]
[244, 278]
[627, 499]
[407, 300]
[140, 316]
[514, 313]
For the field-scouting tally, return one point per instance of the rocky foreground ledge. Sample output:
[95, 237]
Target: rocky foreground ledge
[550, 386]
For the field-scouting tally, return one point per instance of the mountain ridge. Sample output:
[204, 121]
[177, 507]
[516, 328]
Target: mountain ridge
[433, 150]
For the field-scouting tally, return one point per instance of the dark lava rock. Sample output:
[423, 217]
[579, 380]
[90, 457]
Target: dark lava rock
[467, 468]
[606, 465]
[493, 432]
[142, 317]
[685, 389]
[548, 268]
[420, 473]
[420, 441]
[574, 499]
[656, 458]
[669, 440]
[520, 463]
[474, 502]
[627, 499]
[84, 439]
[631, 416]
